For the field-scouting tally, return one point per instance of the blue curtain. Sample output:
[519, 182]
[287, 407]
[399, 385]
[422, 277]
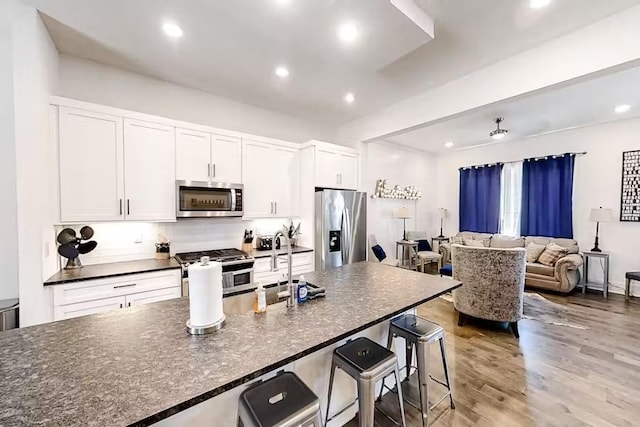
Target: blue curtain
[480, 199]
[547, 197]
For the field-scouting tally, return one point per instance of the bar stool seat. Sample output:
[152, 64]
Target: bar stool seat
[283, 400]
[420, 333]
[367, 362]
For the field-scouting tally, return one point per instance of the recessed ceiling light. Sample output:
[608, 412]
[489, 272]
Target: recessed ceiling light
[282, 72]
[349, 98]
[448, 144]
[348, 32]
[172, 30]
[622, 108]
[537, 4]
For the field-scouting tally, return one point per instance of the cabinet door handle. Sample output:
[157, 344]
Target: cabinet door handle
[121, 305]
[208, 169]
[124, 286]
[214, 170]
[120, 207]
[128, 207]
[275, 207]
[128, 304]
[271, 207]
[340, 178]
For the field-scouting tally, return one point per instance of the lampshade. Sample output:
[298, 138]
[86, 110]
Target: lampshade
[403, 213]
[601, 215]
[442, 212]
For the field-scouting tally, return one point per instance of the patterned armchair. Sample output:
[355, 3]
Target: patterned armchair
[492, 283]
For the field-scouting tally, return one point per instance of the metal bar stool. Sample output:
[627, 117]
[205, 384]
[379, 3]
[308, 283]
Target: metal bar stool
[282, 401]
[367, 362]
[420, 333]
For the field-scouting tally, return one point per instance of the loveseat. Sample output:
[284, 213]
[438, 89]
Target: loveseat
[564, 276]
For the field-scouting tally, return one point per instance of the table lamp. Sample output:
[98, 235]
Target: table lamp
[403, 214]
[443, 215]
[599, 215]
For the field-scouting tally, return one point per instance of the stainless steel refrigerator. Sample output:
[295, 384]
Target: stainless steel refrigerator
[341, 228]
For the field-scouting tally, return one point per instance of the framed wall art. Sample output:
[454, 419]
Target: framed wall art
[630, 197]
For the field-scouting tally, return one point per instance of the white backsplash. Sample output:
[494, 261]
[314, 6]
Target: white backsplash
[125, 241]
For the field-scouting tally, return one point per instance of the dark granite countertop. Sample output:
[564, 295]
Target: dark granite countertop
[112, 269]
[138, 365]
[296, 250]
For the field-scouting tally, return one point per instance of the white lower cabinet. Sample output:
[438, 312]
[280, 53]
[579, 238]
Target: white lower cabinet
[302, 263]
[95, 296]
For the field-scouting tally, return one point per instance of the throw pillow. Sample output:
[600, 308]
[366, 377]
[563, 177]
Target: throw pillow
[474, 243]
[457, 240]
[379, 252]
[551, 254]
[507, 242]
[423, 245]
[534, 251]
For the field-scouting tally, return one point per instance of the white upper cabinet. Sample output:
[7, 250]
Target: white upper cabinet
[257, 162]
[270, 178]
[201, 156]
[149, 171]
[193, 155]
[348, 170]
[335, 166]
[285, 181]
[90, 153]
[226, 155]
[327, 168]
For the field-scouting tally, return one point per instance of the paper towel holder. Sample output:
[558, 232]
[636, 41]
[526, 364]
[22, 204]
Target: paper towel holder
[207, 329]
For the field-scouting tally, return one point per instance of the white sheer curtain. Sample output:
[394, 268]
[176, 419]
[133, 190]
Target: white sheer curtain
[510, 198]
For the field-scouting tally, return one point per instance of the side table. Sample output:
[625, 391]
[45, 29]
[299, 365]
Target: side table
[409, 250]
[436, 248]
[604, 286]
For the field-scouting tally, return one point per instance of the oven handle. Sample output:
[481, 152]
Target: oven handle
[234, 273]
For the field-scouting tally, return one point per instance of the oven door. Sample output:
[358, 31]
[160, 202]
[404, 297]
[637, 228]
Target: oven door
[196, 199]
[234, 279]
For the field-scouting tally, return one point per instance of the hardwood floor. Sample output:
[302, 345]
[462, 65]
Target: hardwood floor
[552, 376]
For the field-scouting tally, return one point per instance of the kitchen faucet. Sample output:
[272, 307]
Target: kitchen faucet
[291, 297]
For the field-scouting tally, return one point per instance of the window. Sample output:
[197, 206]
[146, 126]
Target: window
[510, 198]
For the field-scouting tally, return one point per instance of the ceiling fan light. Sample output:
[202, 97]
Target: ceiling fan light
[498, 133]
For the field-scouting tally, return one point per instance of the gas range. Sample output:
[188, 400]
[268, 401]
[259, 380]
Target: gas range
[237, 266]
[225, 256]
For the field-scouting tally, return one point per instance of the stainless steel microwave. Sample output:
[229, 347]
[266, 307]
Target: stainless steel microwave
[202, 199]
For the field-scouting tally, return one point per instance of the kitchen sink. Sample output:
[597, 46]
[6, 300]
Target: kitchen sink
[243, 303]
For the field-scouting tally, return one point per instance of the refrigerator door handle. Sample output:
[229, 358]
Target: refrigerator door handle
[347, 248]
[343, 231]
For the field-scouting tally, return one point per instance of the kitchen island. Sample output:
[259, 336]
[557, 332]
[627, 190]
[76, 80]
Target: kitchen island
[138, 366]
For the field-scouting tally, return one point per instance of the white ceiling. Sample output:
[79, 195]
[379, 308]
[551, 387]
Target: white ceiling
[230, 48]
[576, 105]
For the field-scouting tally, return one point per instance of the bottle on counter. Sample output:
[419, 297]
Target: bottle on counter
[260, 301]
[302, 290]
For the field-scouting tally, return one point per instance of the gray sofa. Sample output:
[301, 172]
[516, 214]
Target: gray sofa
[563, 277]
[492, 283]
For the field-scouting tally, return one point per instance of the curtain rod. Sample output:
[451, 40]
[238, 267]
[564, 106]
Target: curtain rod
[581, 153]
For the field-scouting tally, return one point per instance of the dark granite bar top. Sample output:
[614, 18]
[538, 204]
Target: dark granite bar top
[296, 250]
[138, 365]
[112, 269]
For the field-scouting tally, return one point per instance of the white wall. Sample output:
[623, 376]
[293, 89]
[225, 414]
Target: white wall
[35, 65]
[94, 82]
[403, 167]
[596, 183]
[8, 210]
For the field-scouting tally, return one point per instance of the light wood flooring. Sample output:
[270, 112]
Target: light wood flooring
[552, 376]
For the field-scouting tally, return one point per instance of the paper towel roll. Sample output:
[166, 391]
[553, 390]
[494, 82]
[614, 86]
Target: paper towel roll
[205, 293]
